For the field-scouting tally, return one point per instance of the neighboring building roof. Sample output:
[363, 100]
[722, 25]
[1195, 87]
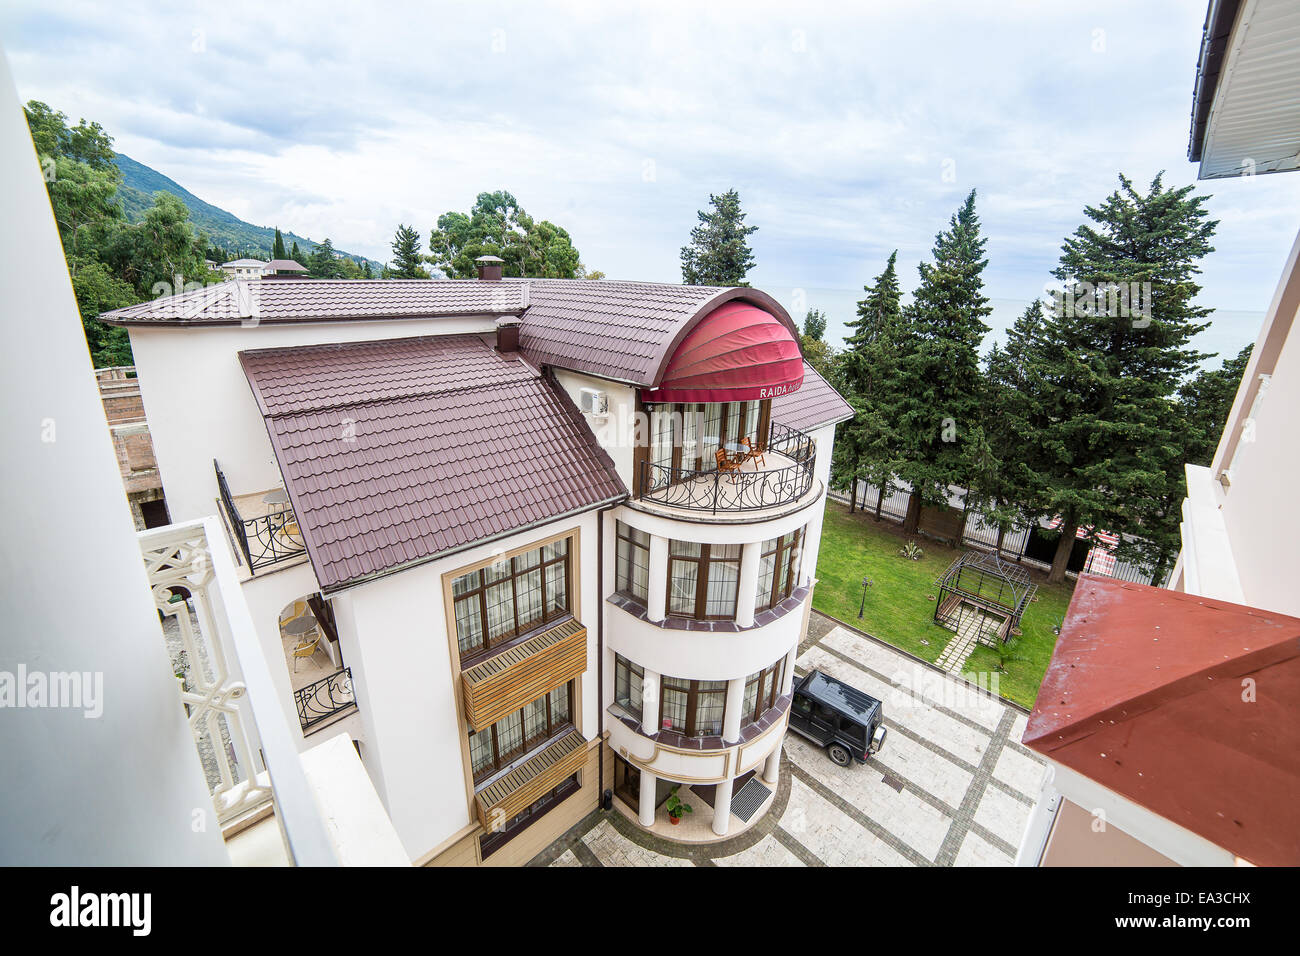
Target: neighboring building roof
[738, 352]
[399, 451]
[286, 265]
[1185, 705]
[244, 262]
[239, 302]
[815, 405]
[1245, 111]
[624, 331]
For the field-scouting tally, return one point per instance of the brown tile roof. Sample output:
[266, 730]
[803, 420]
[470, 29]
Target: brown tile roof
[625, 331]
[396, 452]
[262, 302]
[815, 404]
[1146, 694]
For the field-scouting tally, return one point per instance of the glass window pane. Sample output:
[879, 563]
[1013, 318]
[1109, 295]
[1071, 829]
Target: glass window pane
[560, 713]
[711, 702]
[535, 728]
[528, 597]
[724, 581]
[674, 701]
[510, 737]
[500, 610]
[557, 596]
[681, 588]
[529, 559]
[469, 624]
[466, 582]
[751, 698]
[480, 750]
[709, 440]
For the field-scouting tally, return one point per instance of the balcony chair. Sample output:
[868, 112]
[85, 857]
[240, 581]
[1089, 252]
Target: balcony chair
[725, 463]
[305, 649]
[753, 454]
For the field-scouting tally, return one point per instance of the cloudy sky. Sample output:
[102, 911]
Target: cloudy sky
[849, 130]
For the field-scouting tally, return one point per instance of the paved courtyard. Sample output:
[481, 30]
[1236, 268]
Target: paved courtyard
[952, 786]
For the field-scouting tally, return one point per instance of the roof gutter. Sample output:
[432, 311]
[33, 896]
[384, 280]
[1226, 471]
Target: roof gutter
[1220, 23]
[460, 549]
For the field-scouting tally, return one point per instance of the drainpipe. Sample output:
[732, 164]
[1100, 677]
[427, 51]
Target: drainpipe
[600, 651]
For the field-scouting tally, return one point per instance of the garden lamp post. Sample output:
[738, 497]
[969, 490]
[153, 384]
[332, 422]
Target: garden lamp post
[866, 583]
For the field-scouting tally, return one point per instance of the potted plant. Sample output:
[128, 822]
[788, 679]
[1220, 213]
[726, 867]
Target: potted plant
[676, 808]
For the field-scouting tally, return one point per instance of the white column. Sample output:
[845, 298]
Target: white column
[772, 766]
[646, 799]
[787, 679]
[748, 590]
[732, 714]
[722, 807]
[650, 690]
[657, 598]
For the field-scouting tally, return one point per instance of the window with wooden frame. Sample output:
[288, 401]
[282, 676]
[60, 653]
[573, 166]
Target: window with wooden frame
[703, 580]
[495, 747]
[627, 685]
[686, 435]
[778, 569]
[693, 708]
[632, 564]
[762, 690]
[498, 603]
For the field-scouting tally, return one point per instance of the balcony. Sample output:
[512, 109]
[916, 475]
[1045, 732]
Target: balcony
[504, 798]
[274, 805]
[507, 681]
[781, 475]
[263, 525]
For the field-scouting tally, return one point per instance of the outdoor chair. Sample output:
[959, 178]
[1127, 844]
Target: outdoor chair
[726, 464]
[753, 454]
[304, 649]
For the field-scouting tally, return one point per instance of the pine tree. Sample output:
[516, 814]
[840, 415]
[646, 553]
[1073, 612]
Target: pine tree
[1204, 404]
[277, 248]
[296, 254]
[866, 447]
[1094, 407]
[718, 253]
[406, 254]
[939, 380]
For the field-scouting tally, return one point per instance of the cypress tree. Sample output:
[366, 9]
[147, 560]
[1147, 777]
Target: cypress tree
[277, 248]
[939, 380]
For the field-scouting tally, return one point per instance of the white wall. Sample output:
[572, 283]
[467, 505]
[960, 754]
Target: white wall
[1259, 511]
[616, 434]
[394, 636]
[122, 788]
[200, 407]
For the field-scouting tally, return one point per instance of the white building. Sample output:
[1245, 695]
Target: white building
[533, 539]
[245, 268]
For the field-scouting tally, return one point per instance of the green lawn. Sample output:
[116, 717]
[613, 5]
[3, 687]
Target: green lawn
[900, 605]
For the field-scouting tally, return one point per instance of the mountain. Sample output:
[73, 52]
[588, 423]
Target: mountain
[224, 229]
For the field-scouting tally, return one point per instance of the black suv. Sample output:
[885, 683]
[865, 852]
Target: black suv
[844, 720]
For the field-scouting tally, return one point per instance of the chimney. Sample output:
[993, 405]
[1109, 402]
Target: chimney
[508, 334]
[489, 267]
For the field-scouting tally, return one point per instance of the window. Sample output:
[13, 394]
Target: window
[627, 685]
[778, 569]
[693, 708]
[494, 840]
[492, 748]
[632, 574]
[686, 436]
[703, 579]
[495, 604]
[762, 690]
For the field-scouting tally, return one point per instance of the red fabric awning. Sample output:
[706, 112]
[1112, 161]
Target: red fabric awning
[738, 352]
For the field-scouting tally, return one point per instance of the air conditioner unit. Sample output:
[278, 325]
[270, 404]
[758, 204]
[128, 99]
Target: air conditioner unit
[594, 402]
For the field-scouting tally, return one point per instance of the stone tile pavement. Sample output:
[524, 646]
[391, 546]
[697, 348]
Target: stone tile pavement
[952, 787]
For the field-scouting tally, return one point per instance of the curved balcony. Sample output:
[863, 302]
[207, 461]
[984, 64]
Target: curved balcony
[782, 474]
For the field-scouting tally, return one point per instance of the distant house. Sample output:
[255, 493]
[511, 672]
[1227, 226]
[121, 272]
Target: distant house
[245, 268]
[284, 269]
[119, 390]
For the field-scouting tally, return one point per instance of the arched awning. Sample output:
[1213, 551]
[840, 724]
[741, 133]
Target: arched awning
[738, 352]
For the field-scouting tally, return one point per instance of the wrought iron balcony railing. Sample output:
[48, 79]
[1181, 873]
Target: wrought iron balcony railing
[326, 698]
[264, 539]
[785, 476]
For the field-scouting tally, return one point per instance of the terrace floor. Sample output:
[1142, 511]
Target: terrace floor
[952, 786]
[744, 497]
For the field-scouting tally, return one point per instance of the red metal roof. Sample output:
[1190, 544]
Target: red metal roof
[737, 352]
[1185, 705]
[815, 404]
[398, 451]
